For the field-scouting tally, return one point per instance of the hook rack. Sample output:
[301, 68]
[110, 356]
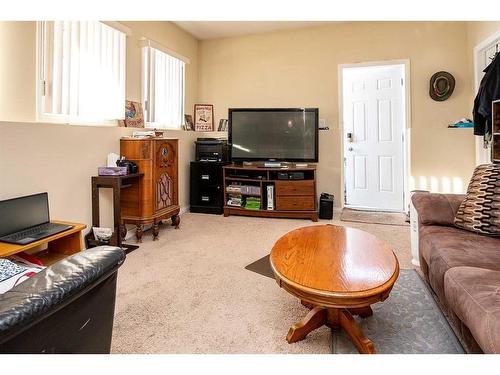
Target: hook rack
[496, 52]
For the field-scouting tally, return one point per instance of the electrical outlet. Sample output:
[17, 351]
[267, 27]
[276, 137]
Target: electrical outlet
[322, 122]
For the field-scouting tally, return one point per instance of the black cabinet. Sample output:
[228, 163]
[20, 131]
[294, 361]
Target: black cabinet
[206, 195]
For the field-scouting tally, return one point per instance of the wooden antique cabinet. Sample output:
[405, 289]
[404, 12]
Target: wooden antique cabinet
[155, 196]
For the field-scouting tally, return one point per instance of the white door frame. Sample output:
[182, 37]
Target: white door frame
[481, 153]
[406, 130]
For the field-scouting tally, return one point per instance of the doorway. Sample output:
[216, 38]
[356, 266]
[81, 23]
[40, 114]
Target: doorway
[374, 117]
[483, 55]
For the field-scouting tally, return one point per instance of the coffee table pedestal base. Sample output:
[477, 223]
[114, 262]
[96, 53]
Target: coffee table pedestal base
[335, 319]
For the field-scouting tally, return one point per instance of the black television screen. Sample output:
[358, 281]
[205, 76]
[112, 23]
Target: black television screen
[284, 134]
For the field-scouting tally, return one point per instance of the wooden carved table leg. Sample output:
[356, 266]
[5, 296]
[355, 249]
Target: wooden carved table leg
[139, 231]
[335, 319]
[363, 312]
[315, 319]
[176, 220]
[349, 325]
[307, 304]
[156, 231]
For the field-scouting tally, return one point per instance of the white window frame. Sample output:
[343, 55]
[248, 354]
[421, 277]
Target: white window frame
[148, 81]
[42, 46]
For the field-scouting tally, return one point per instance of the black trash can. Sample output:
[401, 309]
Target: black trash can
[326, 206]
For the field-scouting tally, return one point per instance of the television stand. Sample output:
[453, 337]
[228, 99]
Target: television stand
[291, 198]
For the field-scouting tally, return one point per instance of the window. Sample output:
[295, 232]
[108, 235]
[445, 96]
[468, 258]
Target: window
[81, 71]
[163, 88]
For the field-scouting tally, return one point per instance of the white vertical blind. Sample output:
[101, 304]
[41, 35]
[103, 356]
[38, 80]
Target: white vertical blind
[163, 88]
[84, 71]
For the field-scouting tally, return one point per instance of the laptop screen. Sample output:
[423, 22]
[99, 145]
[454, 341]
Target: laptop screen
[23, 212]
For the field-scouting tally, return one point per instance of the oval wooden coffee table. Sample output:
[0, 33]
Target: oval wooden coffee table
[336, 271]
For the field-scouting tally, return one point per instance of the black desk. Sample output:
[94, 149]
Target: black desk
[117, 183]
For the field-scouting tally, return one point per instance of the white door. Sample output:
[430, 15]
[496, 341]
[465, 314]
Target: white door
[373, 126]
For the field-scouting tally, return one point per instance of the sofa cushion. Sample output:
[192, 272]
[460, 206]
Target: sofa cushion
[474, 296]
[480, 210]
[445, 247]
[437, 209]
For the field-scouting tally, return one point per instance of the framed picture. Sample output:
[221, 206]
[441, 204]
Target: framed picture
[134, 117]
[188, 121]
[204, 117]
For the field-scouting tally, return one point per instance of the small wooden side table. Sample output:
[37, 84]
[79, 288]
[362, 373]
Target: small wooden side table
[59, 245]
[116, 183]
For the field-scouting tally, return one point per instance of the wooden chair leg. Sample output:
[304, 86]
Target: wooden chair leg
[314, 319]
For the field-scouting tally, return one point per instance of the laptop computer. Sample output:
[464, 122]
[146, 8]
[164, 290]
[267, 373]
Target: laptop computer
[26, 219]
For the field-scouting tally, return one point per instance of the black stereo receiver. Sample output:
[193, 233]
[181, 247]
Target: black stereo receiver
[211, 149]
[291, 176]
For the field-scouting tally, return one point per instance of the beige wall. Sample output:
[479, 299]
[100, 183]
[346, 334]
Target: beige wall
[476, 33]
[61, 158]
[17, 71]
[479, 31]
[300, 68]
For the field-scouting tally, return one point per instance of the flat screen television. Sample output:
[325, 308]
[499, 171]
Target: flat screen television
[281, 134]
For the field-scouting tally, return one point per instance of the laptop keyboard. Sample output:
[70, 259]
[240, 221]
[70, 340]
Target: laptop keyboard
[29, 232]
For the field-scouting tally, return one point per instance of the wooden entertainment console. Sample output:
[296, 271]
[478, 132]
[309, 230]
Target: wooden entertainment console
[293, 198]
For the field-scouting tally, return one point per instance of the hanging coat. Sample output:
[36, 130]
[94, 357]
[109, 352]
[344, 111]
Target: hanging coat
[489, 90]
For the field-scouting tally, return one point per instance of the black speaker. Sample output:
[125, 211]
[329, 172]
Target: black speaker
[326, 206]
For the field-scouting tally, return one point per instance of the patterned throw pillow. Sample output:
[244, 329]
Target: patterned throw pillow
[480, 210]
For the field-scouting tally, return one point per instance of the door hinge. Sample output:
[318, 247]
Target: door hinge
[402, 82]
[43, 85]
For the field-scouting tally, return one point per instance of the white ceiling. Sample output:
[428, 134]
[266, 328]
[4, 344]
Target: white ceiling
[224, 29]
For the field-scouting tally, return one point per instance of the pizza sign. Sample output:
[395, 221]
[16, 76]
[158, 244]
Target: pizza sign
[204, 117]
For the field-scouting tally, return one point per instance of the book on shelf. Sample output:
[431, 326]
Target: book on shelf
[234, 189]
[249, 189]
[243, 189]
[234, 201]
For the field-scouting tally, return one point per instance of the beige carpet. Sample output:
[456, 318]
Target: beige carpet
[189, 292]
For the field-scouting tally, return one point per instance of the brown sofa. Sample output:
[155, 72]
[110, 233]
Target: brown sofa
[463, 269]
